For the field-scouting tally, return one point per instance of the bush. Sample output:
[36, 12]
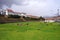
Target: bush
[14, 16]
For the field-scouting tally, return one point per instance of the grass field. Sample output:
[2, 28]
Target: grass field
[30, 31]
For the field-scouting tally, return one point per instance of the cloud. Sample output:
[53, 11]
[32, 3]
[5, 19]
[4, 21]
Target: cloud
[17, 2]
[10, 2]
[6, 2]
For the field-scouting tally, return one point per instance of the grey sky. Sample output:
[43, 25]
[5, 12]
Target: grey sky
[32, 7]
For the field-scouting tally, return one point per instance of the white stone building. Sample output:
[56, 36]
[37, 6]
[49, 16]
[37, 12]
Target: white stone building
[11, 12]
[53, 19]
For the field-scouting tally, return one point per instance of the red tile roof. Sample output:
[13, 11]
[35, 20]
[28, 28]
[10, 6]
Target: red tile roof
[49, 18]
[10, 10]
[32, 16]
[53, 18]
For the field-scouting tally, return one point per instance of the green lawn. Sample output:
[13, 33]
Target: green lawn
[30, 31]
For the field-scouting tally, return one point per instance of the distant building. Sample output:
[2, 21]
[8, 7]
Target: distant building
[53, 19]
[49, 20]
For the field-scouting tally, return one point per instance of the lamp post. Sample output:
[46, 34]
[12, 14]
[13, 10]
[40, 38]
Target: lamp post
[57, 12]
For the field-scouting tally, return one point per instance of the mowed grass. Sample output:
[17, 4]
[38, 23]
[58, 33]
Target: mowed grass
[30, 31]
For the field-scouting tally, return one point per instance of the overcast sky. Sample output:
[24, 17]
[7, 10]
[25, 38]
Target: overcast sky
[32, 7]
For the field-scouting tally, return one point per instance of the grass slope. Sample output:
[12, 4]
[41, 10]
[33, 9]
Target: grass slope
[30, 31]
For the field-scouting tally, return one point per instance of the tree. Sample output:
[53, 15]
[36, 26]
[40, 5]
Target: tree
[41, 18]
[14, 16]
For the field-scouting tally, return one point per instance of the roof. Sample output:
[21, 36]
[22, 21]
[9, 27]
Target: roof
[32, 16]
[53, 18]
[49, 18]
[10, 10]
[17, 12]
